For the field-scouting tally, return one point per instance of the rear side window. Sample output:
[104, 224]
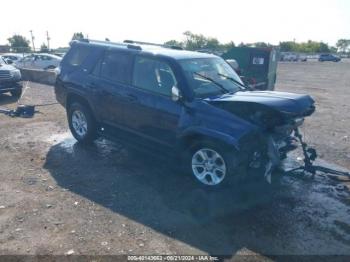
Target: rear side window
[116, 67]
[77, 55]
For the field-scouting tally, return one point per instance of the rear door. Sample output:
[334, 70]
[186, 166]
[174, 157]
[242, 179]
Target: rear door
[108, 83]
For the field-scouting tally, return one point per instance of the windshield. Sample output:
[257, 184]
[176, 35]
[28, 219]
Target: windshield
[210, 76]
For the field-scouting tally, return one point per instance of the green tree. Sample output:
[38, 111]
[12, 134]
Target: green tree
[343, 45]
[244, 45]
[19, 43]
[174, 43]
[305, 47]
[261, 44]
[199, 41]
[78, 36]
[212, 43]
[323, 48]
[228, 46]
[194, 41]
[43, 48]
[288, 46]
[333, 49]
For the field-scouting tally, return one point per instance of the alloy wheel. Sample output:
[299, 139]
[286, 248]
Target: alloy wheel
[208, 166]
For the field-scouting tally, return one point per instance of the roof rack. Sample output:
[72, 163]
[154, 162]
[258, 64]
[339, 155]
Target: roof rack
[131, 44]
[153, 44]
[128, 45]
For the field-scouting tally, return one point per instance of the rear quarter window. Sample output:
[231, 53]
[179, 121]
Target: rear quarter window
[77, 55]
[116, 67]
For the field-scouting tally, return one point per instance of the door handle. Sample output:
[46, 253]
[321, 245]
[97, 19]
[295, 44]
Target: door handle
[91, 85]
[131, 97]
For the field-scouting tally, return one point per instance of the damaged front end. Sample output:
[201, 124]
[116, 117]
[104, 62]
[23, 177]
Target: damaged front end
[264, 151]
[279, 142]
[277, 116]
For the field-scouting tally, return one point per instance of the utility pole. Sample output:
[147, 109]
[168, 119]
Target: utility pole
[48, 40]
[31, 33]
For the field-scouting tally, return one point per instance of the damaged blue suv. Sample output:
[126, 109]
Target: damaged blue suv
[185, 104]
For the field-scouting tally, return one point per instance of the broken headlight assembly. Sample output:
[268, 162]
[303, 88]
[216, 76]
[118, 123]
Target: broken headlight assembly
[287, 129]
[266, 120]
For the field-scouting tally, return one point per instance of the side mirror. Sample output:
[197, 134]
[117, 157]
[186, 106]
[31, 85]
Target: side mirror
[175, 94]
[9, 61]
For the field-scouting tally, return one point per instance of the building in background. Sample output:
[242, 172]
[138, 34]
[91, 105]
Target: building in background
[4, 48]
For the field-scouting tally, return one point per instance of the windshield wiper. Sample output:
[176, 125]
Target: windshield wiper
[241, 86]
[222, 88]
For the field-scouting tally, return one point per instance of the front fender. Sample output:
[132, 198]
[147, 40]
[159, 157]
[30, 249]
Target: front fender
[210, 133]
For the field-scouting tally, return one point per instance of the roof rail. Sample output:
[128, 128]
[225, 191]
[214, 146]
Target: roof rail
[128, 45]
[153, 44]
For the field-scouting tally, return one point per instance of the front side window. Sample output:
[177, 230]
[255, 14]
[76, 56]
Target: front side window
[153, 75]
[210, 76]
[45, 57]
[116, 67]
[28, 58]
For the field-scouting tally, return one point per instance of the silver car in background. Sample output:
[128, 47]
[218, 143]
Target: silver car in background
[39, 61]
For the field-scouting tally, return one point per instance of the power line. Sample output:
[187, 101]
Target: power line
[31, 33]
[48, 40]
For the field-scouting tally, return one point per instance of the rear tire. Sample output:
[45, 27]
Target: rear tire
[82, 123]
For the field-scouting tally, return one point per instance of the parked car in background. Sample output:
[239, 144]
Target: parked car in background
[10, 79]
[189, 105]
[290, 57]
[293, 57]
[302, 58]
[13, 57]
[329, 57]
[39, 61]
[60, 54]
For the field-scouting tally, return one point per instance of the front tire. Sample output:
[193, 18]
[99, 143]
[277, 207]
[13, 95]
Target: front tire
[50, 67]
[214, 165]
[16, 93]
[82, 123]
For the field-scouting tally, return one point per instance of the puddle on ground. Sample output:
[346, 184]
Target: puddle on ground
[101, 148]
[319, 200]
[64, 140]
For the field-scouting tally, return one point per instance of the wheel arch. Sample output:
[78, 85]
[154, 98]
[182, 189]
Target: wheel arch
[73, 97]
[192, 135]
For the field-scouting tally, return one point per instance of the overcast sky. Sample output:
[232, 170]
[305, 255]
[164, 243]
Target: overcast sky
[160, 20]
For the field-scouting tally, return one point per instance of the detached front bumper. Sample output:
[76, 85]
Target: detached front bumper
[270, 148]
[279, 143]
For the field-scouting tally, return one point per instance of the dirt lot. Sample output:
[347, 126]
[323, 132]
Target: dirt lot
[57, 196]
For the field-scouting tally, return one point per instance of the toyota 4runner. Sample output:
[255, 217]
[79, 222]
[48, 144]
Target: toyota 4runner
[188, 104]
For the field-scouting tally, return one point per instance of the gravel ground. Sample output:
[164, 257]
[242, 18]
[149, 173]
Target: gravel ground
[58, 197]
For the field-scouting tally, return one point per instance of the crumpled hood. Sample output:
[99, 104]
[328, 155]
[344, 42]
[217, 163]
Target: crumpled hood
[281, 101]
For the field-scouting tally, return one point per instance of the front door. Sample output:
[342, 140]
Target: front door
[151, 112]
